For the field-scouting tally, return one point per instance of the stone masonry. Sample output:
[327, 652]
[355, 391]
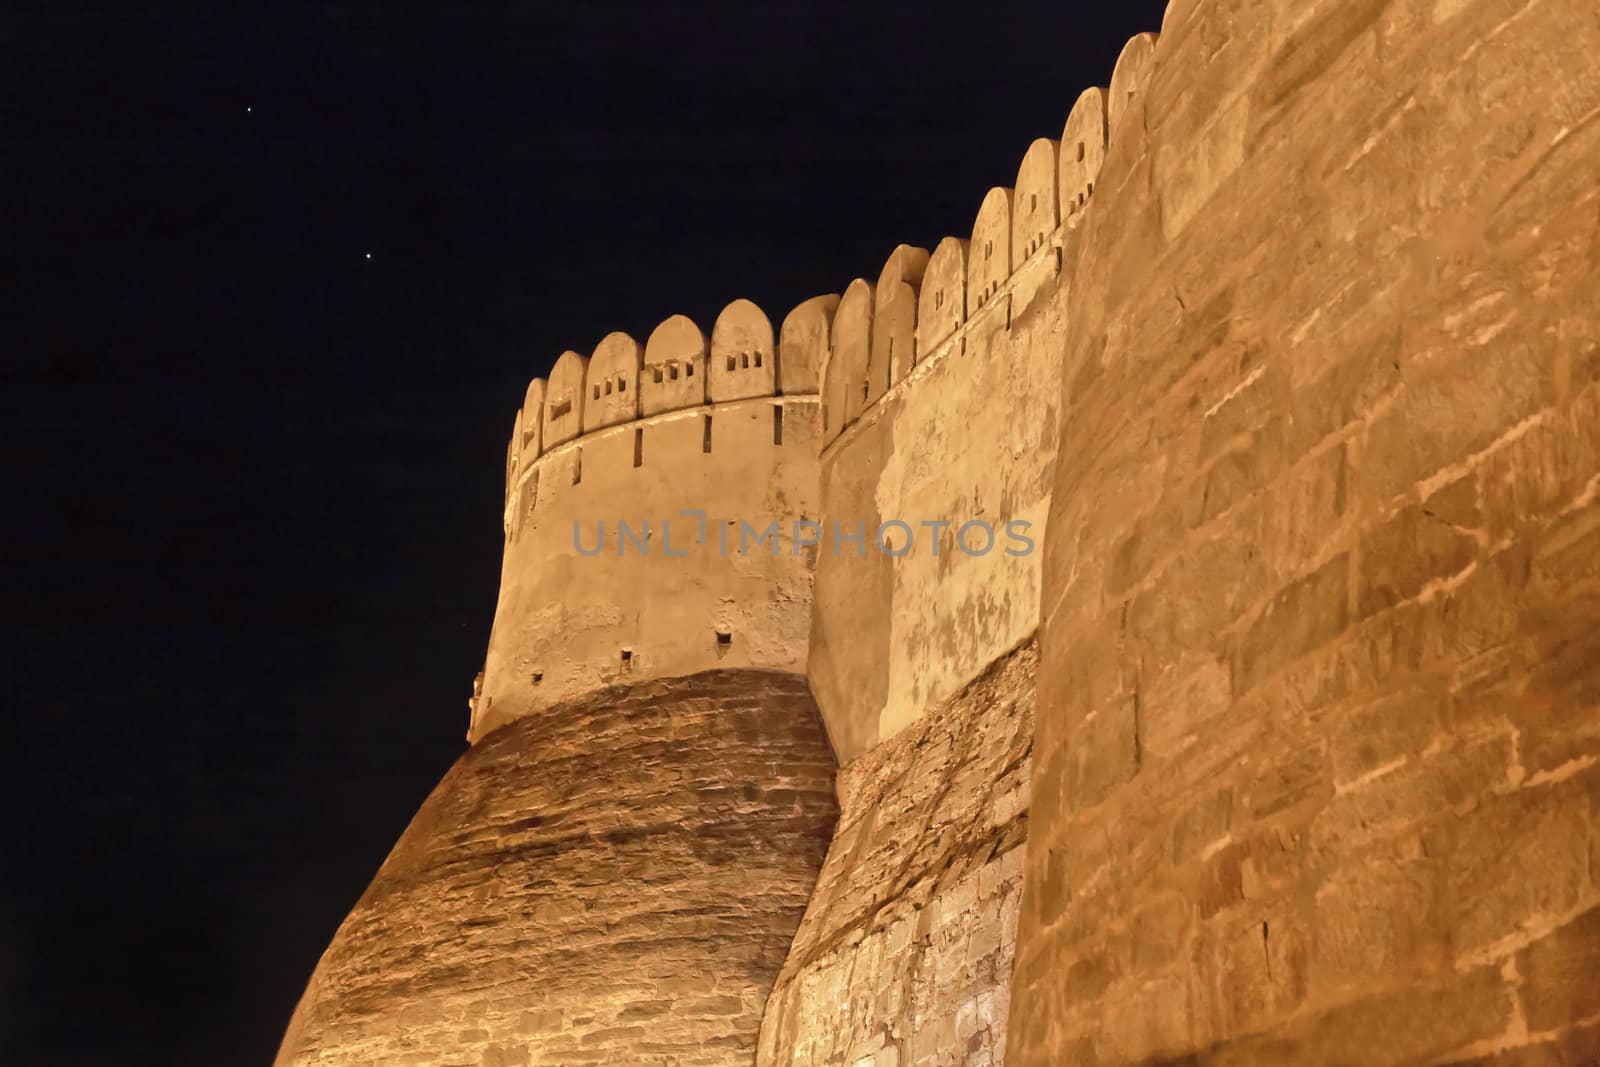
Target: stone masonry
[904, 956]
[615, 881]
[1285, 749]
[1317, 771]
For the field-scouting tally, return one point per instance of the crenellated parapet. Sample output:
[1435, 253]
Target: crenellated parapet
[922, 303]
[678, 369]
[748, 424]
[851, 350]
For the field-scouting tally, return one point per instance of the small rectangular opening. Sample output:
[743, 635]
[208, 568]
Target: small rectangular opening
[538, 676]
[622, 385]
[560, 408]
[627, 659]
[777, 424]
[638, 446]
[705, 444]
[656, 373]
[731, 362]
[577, 465]
[672, 371]
[688, 370]
[724, 639]
[758, 359]
[1080, 151]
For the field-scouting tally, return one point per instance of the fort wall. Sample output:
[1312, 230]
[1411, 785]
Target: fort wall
[924, 664]
[607, 580]
[1317, 766]
[928, 405]
[1280, 745]
[966, 435]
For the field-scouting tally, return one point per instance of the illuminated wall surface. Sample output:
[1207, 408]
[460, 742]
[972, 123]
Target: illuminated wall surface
[1281, 745]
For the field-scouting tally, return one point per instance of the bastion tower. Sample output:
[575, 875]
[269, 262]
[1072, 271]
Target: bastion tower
[1282, 743]
[615, 870]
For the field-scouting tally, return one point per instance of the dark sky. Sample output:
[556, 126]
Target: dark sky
[252, 538]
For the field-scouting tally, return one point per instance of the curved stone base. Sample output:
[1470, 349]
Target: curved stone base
[615, 880]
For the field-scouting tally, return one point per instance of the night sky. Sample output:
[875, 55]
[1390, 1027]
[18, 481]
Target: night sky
[274, 284]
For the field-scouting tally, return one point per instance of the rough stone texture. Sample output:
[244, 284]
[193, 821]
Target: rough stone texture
[1317, 776]
[904, 956]
[611, 881]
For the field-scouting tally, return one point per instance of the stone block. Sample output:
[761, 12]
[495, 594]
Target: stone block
[1367, 371]
[1410, 550]
[1451, 412]
[1161, 931]
[1413, 1023]
[1287, 777]
[1411, 797]
[1201, 824]
[1377, 920]
[1103, 753]
[1306, 615]
[1561, 974]
[1377, 734]
[1521, 858]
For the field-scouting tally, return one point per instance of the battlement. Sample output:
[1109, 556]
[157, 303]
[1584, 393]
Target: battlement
[749, 425]
[677, 370]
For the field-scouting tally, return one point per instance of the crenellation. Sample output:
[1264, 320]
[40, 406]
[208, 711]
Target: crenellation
[612, 382]
[564, 398]
[744, 359]
[1129, 77]
[1083, 150]
[942, 305]
[1035, 206]
[894, 319]
[674, 373]
[532, 440]
[513, 463]
[989, 259]
[803, 345]
[845, 388]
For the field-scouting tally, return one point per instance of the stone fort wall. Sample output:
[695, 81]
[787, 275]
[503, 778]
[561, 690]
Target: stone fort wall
[927, 398]
[1317, 764]
[606, 580]
[1281, 745]
[924, 665]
